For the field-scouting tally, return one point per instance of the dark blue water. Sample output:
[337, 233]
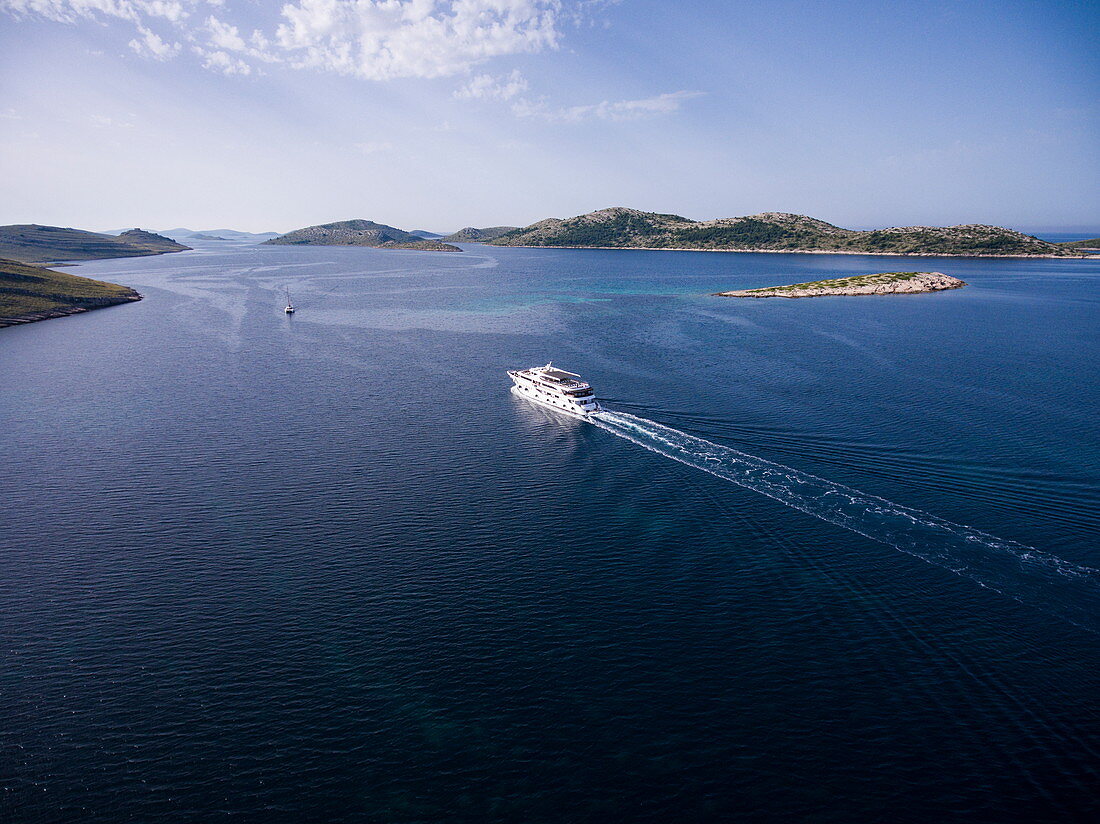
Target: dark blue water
[829, 559]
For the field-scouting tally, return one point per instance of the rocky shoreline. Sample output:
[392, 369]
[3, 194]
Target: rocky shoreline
[882, 283]
[66, 311]
[798, 252]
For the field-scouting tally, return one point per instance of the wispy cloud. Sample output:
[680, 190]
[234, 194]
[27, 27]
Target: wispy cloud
[487, 87]
[413, 38]
[100, 121]
[370, 39]
[70, 11]
[613, 110]
[221, 61]
[151, 44]
[374, 147]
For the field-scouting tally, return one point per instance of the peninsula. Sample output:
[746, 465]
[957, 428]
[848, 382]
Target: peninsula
[621, 228]
[31, 243]
[883, 283]
[30, 293]
[360, 233]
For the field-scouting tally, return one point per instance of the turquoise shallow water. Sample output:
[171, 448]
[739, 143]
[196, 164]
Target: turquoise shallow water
[328, 567]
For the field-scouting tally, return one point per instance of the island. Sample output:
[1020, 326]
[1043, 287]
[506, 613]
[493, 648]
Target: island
[622, 228]
[31, 293]
[217, 234]
[473, 235]
[1091, 245]
[32, 243]
[360, 233]
[881, 283]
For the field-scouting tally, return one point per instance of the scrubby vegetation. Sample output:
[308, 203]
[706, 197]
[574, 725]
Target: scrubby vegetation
[1093, 243]
[31, 243]
[880, 283]
[773, 232]
[30, 292]
[359, 233]
[472, 234]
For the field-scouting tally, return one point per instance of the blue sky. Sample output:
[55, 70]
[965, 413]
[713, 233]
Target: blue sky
[421, 114]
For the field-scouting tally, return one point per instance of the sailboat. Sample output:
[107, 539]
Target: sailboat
[289, 306]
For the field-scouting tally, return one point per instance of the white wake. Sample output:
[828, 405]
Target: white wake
[1033, 577]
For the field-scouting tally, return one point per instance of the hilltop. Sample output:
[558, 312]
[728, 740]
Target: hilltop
[29, 293]
[472, 235]
[359, 233]
[620, 227]
[31, 243]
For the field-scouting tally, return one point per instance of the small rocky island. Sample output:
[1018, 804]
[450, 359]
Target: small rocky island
[883, 283]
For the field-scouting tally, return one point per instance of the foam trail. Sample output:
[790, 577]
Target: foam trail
[1033, 577]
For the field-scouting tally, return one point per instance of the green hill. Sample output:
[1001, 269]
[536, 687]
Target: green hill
[472, 235]
[773, 232]
[1093, 244]
[31, 243]
[359, 233]
[29, 293]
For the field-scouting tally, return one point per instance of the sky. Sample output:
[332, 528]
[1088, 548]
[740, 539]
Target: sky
[420, 114]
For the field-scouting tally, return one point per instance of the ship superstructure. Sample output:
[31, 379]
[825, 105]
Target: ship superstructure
[555, 388]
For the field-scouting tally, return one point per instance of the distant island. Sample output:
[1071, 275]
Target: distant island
[1092, 245]
[472, 235]
[621, 228]
[31, 243]
[216, 234]
[31, 293]
[882, 283]
[360, 233]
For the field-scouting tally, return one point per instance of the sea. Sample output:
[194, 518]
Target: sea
[830, 559]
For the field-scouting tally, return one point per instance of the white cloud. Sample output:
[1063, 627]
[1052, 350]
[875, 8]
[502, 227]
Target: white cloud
[487, 87]
[384, 39]
[153, 45]
[224, 36]
[370, 39]
[221, 61]
[618, 110]
[167, 9]
[69, 11]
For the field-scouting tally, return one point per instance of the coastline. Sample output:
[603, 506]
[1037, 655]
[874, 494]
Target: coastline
[65, 311]
[796, 252]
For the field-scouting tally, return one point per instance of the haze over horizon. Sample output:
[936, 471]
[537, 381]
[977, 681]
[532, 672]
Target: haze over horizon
[438, 115]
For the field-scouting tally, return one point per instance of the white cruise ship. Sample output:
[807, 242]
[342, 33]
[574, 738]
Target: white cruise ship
[555, 388]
